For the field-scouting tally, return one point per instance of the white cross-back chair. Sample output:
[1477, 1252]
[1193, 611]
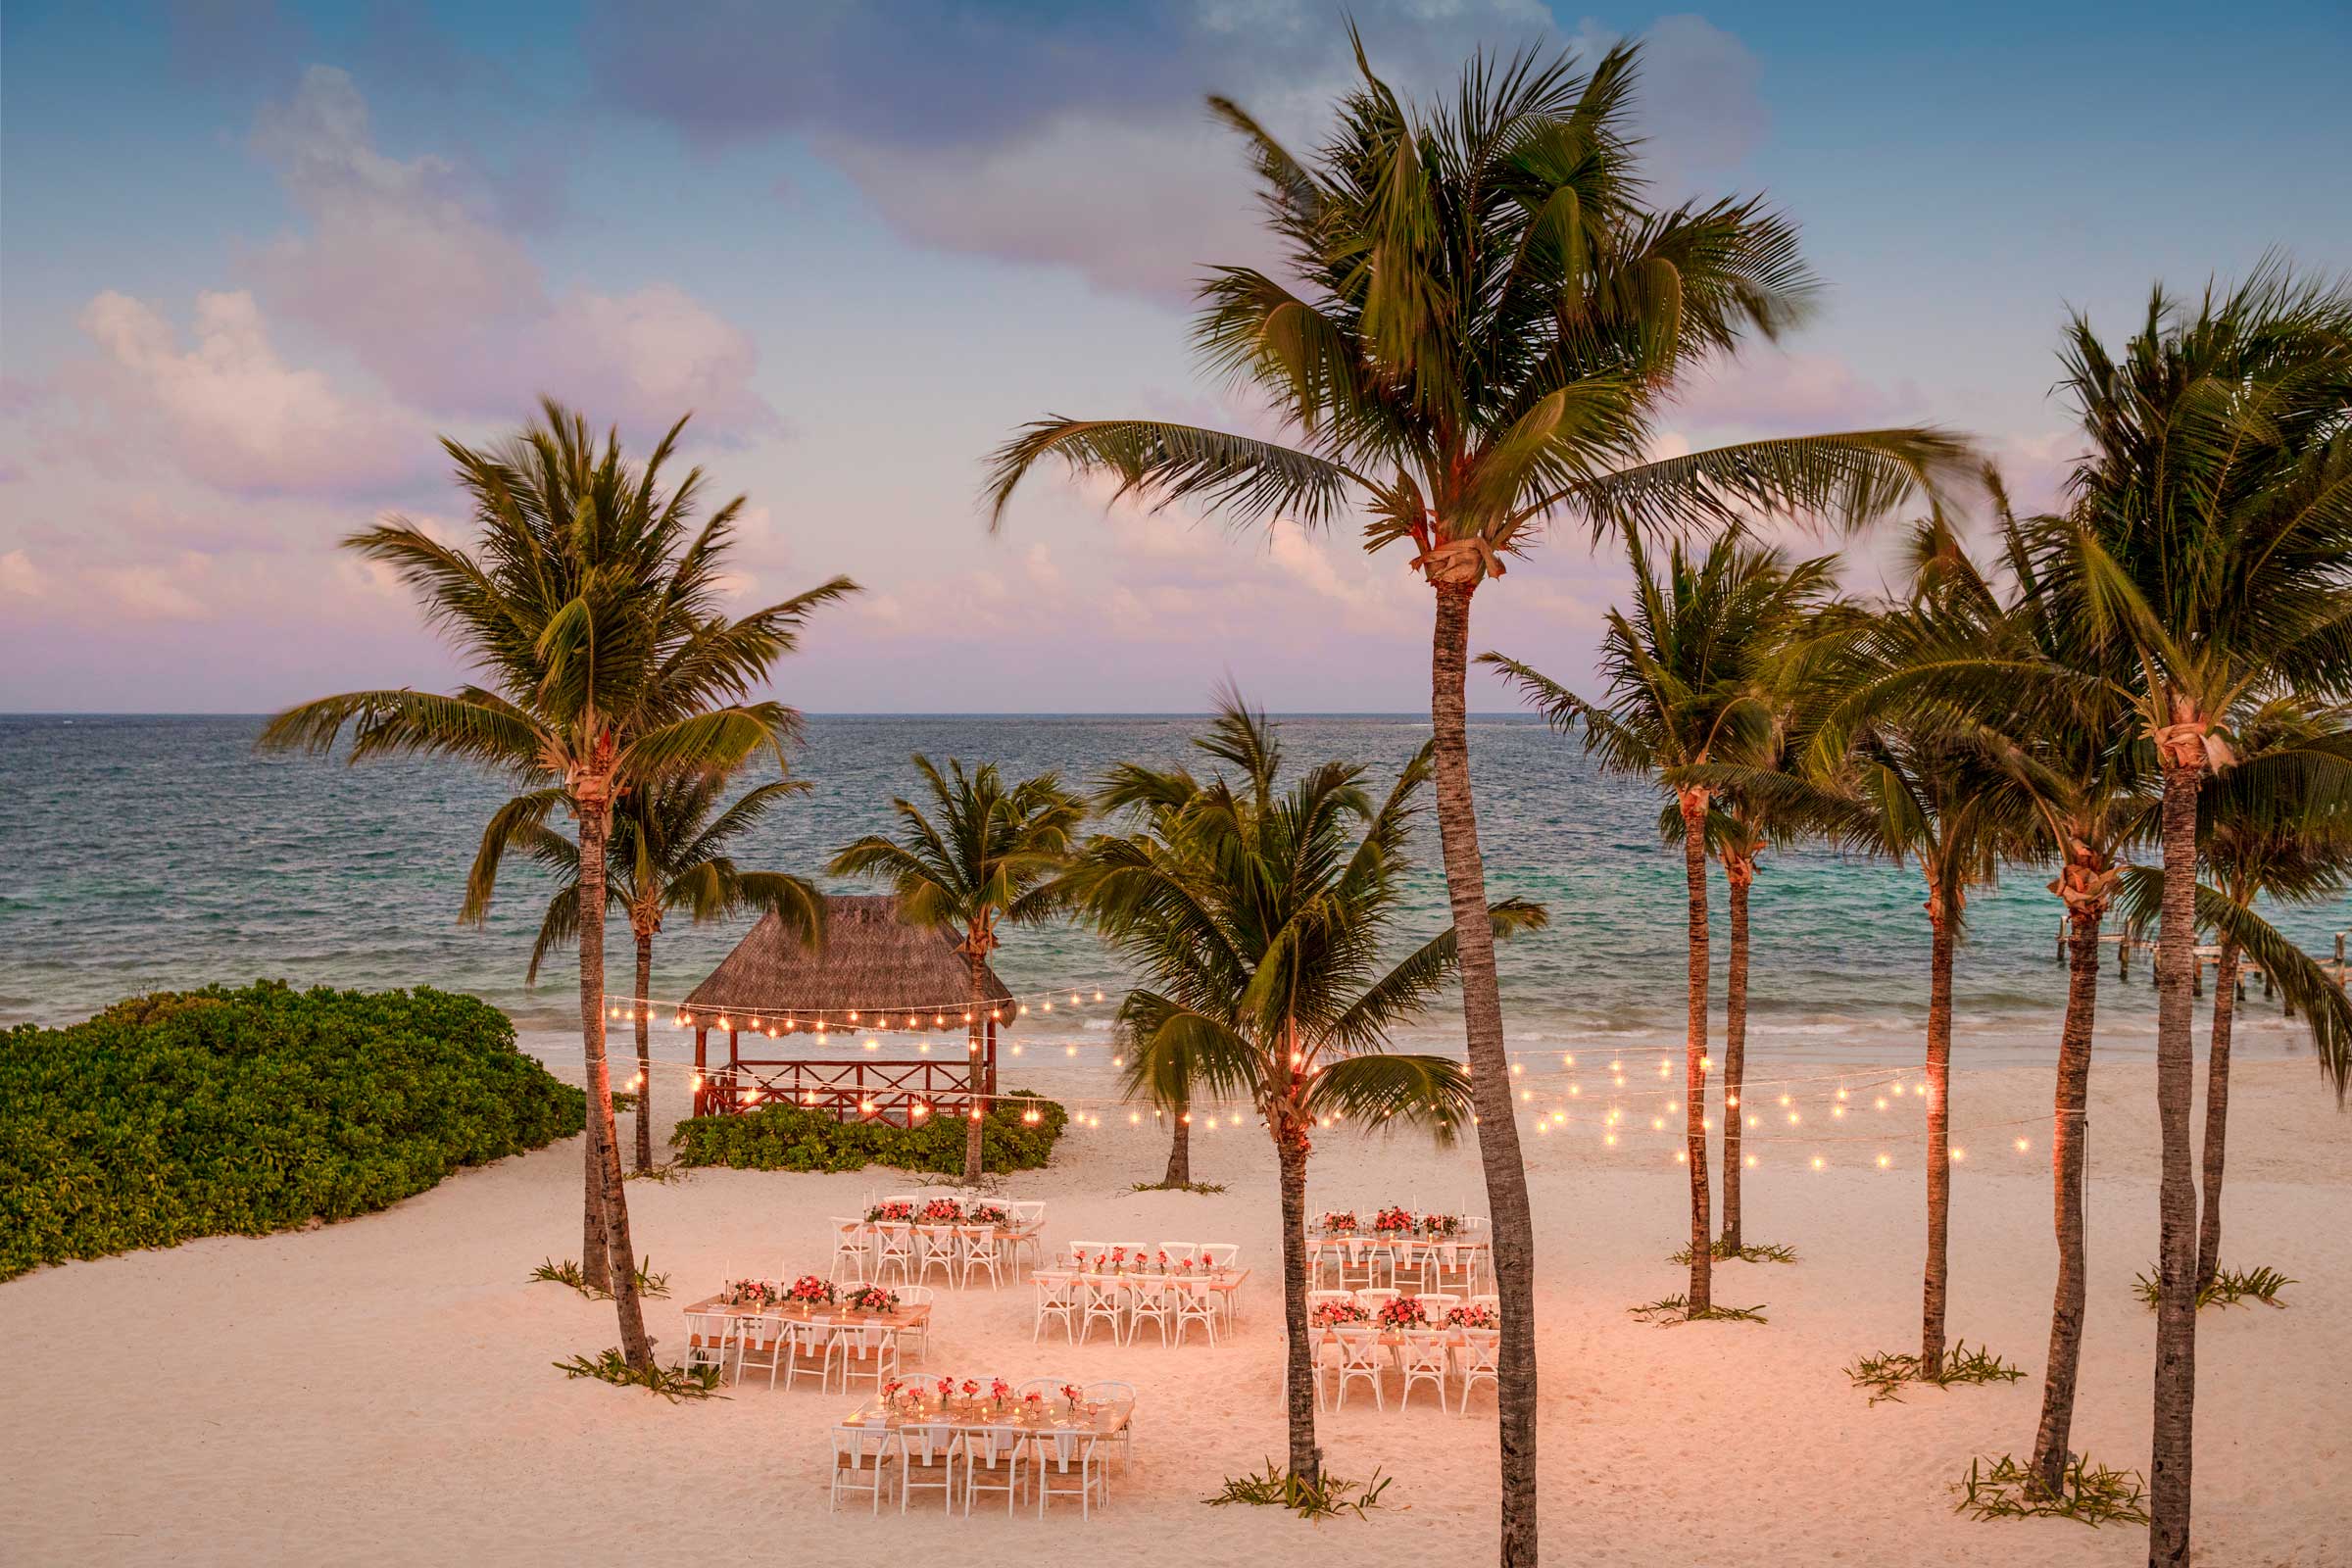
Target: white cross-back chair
[1178, 1251]
[1058, 1301]
[868, 1350]
[927, 1456]
[1151, 1298]
[808, 1352]
[1056, 1452]
[853, 1248]
[1123, 1439]
[707, 1341]
[993, 1460]
[897, 1251]
[1195, 1302]
[761, 1345]
[1359, 1361]
[1100, 1298]
[1475, 1358]
[981, 1251]
[1423, 1356]
[1373, 1298]
[936, 1247]
[865, 1458]
[918, 1296]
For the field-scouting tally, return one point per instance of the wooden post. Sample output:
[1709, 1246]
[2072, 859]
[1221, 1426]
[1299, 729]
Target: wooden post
[701, 1075]
[992, 1054]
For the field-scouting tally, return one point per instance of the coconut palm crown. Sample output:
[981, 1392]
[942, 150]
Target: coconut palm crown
[1263, 919]
[591, 607]
[985, 855]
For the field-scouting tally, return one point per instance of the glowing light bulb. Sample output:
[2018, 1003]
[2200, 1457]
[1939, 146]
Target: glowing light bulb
[1751, 1161]
[1518, 1066]
[866, 1105]
[1024, 1009]
[1657, 1124]
[1784, 1099]
[1755, 1122]
[920, 1110]
[1049, 1007]
[1682, 1157]
[1609, 1139]
[1792, 1119]
[1135, 1119]
[1069, 1051]
[1959, 1153]
[1118, 1061]
[1884, 1162]
[968, 1018]
[1567, 1058]
[1559, 1116]
[1543, 1126]
[1817, 1163]
[1527, 1094]
[1098, 996]
[2024, 1143]
[874, 1045]
[1837, 1110]
[722, 1024]
[852, 1015]
[924, 1048]
[1575, 1089]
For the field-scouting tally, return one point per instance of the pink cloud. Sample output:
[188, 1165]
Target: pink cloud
[403, 263]
[228, 407]
[1770, 392]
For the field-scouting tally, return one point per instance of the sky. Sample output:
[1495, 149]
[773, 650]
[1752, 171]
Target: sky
[255, 259]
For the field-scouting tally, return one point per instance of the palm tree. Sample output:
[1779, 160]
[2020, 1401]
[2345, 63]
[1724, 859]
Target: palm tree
[2212, 547]
[1684, 677]
[590, 606]
[1486, 325]
[1262, 919]
[993, 857]
[2277, 826]
[668, 852]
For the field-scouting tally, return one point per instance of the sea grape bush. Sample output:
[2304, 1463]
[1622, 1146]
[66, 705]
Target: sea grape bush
[208, 1112]
[789, 1138]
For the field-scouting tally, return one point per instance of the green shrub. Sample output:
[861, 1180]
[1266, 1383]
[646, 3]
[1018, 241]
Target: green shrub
[212, 1112]
[789, 1138]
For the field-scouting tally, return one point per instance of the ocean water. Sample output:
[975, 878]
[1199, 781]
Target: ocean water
[144, 852]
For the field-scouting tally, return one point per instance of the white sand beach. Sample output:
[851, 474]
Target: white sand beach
[382, 1392]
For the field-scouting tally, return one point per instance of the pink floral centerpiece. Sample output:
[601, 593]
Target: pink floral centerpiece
[988, 1215]
[752, 1293]
[870, 1299]
[1404, 1312]
[1394, 1221]
[1473, 1317]
[895, 1210]
[1440, 1224]
[1330, 1314]
[998, 1391]
[810, 1289]
[1339, 1222]
[942, 1211]
[1073, 1393]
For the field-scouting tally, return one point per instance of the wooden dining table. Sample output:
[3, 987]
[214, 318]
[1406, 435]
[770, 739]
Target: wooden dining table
[1105, 1418]
[906, 1317]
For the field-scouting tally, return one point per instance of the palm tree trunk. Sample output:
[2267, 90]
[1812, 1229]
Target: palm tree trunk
[1939, 1130]
[1739, 872]
[645, 1054]
[1180, 1152]
[2216, 1113]
[594, 826]
[2067, 1132]
[1290, 1149]
[1694, 1050]
[977, 961]
[2176, 1384]
[1489, 1075]
[596, 1270]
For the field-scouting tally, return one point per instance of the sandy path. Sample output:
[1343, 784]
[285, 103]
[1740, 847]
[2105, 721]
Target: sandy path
[381, 1391]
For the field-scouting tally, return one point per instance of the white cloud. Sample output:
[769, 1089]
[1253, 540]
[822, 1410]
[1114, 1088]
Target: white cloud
[230, 410]
[154, 592]
[18, 575]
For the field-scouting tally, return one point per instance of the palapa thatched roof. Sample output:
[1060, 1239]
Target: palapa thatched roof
[872, 963]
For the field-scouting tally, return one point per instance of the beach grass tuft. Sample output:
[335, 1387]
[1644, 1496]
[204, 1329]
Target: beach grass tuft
[1176, 1187]
[2229, 1288]
[570, 1273]
[2093, 1495]
[1884, 1375]
[1275, 1486]
[672, 1382]
[662, 1175]
[1672, 1310]
[1750, 1252]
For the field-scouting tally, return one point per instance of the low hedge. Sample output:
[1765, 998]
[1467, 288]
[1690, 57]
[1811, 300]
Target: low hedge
[789, 1138]
[216, 1111]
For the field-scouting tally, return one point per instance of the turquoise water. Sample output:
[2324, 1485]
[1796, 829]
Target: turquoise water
[141, 852]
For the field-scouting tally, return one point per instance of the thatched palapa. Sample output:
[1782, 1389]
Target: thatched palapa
[889, 974]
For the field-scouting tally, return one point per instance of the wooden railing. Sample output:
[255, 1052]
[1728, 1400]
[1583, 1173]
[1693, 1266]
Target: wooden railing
[903, 1092]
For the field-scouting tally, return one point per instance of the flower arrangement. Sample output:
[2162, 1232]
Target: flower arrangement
[1440, 1224]
[1160, 1262]
[1473, 1317]
[1394, 1220]
[988, 1215]
[752, 1293]
[1339, 1222]
[1069, 1392]
[942, 1211]
[810, 1289]
[1404, 1312]
[1032, 1403]
[946, 1390]
[998, 1391]
[894, 1210]
[1332, 1313]
[890, 1392]
[971, 1388]
[870, 1298]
